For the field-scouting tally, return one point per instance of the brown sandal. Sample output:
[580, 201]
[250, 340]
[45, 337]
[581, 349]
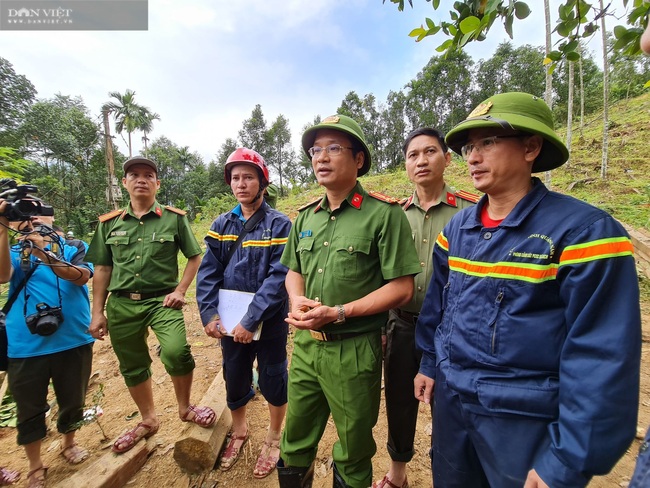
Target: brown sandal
[75, 454]
[130, 438]
[386, 483]
[232, 450]
[8, 476]
[36, 477]
[267, 461]
[203, 416]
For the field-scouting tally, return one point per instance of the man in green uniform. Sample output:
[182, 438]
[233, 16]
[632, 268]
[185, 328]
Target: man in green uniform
[432, 204]
[135, 252]
[351, 258]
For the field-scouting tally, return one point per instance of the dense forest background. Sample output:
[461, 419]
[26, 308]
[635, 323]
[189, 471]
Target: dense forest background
[59, 144]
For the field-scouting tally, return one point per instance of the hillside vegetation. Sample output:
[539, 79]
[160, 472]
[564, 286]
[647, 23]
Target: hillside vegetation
[625, 193]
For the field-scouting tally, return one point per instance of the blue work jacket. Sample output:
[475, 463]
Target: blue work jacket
[540, 317]
[254, 267]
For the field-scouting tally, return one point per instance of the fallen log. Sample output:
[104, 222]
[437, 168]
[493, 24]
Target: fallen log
[112, 470]
[198, 448]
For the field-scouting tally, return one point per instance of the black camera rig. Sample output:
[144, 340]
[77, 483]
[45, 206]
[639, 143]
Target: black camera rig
[21, 204]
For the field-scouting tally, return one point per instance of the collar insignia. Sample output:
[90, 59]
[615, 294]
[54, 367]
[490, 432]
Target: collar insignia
[356, 201]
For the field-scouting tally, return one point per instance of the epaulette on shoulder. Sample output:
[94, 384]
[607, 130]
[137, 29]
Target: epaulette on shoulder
[470, 197]
[382, 197]
[110, 215]
[405, 202]
[306, 206]
[175, 210]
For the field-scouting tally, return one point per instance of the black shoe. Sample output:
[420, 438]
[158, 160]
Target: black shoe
[295, 477]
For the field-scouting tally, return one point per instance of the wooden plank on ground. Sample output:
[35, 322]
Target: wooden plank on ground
[198, 448]
[4, 384]
[641, 242]
[112, 470]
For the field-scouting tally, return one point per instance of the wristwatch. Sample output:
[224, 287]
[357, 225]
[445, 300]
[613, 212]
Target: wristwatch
[341, 318]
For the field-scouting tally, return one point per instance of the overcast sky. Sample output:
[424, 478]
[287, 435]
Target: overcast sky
[203, 65]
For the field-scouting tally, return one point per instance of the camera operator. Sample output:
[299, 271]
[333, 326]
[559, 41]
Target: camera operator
[47, 330]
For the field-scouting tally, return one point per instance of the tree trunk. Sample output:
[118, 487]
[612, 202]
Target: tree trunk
[582, 90]
[603, 164]
[548, 93]
[569, 119]
[110, 163]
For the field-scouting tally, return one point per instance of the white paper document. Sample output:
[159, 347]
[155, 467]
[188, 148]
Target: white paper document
[233, 305]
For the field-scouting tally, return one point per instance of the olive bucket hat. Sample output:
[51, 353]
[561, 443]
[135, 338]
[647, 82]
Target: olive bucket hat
[344, 124]
[515, 111]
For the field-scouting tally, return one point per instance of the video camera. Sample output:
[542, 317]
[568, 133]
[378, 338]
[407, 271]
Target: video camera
[20, 204]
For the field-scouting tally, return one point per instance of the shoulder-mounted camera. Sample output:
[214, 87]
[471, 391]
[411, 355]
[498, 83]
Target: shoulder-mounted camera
[21, 205]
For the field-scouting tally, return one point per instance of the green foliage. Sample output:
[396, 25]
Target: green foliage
[16, 97]
[471, 20]
[130, 115]
[11, 165]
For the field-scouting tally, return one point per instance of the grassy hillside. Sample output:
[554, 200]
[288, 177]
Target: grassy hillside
[625, 193]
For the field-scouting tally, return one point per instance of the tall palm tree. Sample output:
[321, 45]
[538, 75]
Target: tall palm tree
[127, 113]
[146, 126]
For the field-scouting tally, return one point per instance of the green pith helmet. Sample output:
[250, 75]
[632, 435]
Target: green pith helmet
[515, 111]
[341, 123]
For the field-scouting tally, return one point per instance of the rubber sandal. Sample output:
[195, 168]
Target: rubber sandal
[266, 461]
[203, 416]
[36, 477]
[8, 476]
[131, 437]
[386, 482]
[232, 451]
[74, 454]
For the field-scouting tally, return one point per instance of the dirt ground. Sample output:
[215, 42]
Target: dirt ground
[162, 471]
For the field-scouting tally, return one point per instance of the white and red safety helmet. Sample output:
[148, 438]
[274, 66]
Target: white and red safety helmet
[243, 155]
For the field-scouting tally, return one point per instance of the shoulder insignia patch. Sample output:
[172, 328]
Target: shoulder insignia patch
[406, 202]
[175, 210]
[306, 206]
[384, 198]
[110, 215]
[470, 197]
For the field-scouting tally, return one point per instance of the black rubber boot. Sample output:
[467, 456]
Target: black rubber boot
[337, 479]
[294, 477]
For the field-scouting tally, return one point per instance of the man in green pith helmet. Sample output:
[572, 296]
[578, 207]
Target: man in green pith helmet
[351, 258]
[531, 328]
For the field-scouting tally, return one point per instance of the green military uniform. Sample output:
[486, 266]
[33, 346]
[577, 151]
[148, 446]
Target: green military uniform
[343, 255]
[425, 227]
[401, 359]
[143, 253]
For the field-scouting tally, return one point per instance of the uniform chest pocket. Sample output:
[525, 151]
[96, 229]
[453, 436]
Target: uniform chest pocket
[352, 260]
[162, 245]
[119, 248]
[305, 253]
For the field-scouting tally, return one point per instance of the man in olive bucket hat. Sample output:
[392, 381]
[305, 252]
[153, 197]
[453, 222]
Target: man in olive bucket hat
[351, 258]
[530, 329]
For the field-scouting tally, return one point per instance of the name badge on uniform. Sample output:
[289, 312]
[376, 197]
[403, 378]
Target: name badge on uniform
[118, 233]
[304, 233]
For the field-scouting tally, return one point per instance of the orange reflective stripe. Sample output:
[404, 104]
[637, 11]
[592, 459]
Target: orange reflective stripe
[442, 242]
[278, 241]
[534, 273]
[600, 249]
[222, 237]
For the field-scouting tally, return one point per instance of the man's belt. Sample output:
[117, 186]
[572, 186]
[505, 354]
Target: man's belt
[407, 316]
[142, 296]
[319, 335]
